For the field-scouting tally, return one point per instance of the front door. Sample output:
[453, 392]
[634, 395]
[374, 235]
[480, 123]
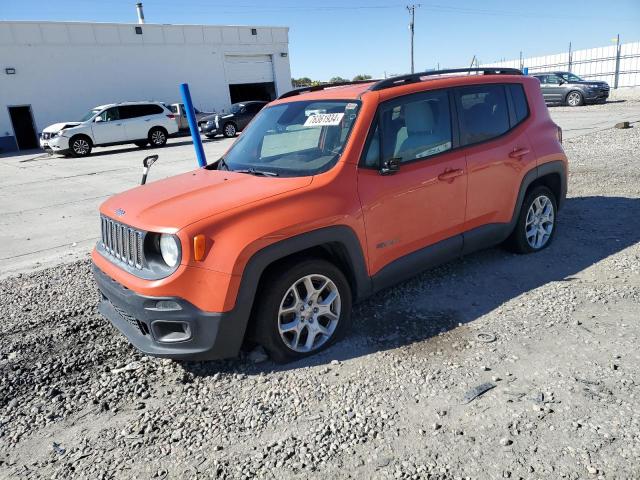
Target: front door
[423, 203]
[107, 127]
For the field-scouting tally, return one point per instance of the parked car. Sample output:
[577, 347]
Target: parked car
[329, 196]
[181, 115]
[140, 123]
[232, 123]
[566, 88]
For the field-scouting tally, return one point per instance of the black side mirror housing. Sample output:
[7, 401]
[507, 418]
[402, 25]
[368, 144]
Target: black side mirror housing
[390, 166]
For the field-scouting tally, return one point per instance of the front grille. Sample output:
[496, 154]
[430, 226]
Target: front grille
[122, 242]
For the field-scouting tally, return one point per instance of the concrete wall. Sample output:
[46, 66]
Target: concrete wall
[591, 64]
[63, 68]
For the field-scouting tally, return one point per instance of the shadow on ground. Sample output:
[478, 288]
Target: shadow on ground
[590, 229]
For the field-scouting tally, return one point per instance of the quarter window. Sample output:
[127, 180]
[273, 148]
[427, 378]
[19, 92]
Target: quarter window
[519, 102]
[418, 127]
[482, 112]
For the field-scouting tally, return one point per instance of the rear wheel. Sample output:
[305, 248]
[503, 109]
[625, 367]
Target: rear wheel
[536, 224]
[158, 137]
[574, 99]
[305, 307]
[229, 130]
[80, 146]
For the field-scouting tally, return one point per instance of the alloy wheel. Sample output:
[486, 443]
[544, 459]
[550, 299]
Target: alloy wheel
[229, 130]
[309, 313]
[539, 222]
[80, 146]
[158, 137]
[574, 99]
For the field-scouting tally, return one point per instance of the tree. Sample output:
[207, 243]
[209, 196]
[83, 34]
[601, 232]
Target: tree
[361, 77]
[301, 82]
[338, 80]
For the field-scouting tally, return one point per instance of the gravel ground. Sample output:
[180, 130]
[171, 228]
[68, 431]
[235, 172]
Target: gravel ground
[554, 334]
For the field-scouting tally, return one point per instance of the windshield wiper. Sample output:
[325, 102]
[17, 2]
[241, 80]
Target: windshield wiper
[253, 171]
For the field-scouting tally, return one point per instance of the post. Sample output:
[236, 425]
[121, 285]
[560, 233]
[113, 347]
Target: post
[570, 58]
[412, 9]
[521, 63]
[617, 73]
[193, 125]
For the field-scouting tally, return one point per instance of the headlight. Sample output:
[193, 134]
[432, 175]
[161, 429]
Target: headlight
[210, 122]
[169, 249]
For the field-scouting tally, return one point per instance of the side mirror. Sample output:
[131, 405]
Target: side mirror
[146, 163]
[561, 82]
[390, 166]
[98, 120]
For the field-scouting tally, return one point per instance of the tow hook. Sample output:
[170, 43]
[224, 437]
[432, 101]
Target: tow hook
[146, 165]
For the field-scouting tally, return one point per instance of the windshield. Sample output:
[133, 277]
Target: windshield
[570, 77]
[90, 114]
[294, 139]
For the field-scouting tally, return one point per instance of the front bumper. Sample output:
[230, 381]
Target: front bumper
[596, 96]
[185, 334]
[209, 129]
[55, 144]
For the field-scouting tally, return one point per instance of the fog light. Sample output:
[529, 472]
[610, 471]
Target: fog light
[165, 306]
[168, 332]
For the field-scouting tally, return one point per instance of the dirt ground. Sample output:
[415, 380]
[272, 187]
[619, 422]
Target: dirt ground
[554, 336]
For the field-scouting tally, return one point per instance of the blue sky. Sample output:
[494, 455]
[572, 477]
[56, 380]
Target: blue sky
[345, 38]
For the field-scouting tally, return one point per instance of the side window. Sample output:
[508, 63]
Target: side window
[482, 113]
[519, 100]
[418, 127]
[541, 78]
[127, 111]
[372, 157]
[553, 79]
[110, 114]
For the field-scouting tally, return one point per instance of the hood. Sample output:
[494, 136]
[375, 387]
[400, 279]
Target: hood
[171, 204]
[56, 127]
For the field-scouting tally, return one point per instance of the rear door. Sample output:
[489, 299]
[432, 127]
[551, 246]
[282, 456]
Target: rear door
[552, 88]
[108, 127]
[138, 119]
[492, 120]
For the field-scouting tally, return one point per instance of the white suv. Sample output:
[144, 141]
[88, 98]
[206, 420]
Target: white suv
[140, 123]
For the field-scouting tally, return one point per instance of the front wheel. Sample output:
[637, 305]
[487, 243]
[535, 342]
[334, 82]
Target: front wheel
[304, 308]
[536, 225]
[229, 130]
[575, 99]
[80, 146]
[158, 137]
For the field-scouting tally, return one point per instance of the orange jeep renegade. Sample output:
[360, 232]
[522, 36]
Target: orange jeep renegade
[332, 193]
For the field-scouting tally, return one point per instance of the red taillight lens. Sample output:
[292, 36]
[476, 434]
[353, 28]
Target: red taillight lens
[171, 116]
[559, 133]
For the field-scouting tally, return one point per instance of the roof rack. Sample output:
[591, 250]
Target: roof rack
[322, 86]
[416, 77]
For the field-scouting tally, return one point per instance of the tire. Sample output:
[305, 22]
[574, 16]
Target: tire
[229, 130]
[141, 143]
[528, 237]
[80, 146]
[158, 137]
[278, 306]
[574, 98]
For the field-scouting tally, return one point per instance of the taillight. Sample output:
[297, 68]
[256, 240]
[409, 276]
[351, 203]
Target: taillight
[559, 133]
[171, 116]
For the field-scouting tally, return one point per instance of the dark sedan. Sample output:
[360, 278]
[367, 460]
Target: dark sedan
[566, 88]
[230, 124]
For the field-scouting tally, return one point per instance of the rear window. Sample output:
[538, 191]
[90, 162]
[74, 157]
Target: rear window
[483, 113]
[519, 99]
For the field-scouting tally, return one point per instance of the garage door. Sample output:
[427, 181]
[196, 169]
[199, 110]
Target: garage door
[248, 68]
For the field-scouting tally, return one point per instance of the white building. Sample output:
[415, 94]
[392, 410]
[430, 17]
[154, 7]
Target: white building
[55, 71]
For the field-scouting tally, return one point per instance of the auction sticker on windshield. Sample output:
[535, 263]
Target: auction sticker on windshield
[324, 120]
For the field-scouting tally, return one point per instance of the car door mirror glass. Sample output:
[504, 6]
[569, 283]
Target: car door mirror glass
[390, 166]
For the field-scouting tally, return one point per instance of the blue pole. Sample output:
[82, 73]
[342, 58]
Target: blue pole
[193, 125]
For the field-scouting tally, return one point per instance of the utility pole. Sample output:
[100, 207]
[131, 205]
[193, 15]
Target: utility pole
[412, 10]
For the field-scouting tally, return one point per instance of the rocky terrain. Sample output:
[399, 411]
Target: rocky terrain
[494, 366]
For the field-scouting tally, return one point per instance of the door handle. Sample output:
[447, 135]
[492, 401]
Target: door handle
[450, 175]
[519, 153]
